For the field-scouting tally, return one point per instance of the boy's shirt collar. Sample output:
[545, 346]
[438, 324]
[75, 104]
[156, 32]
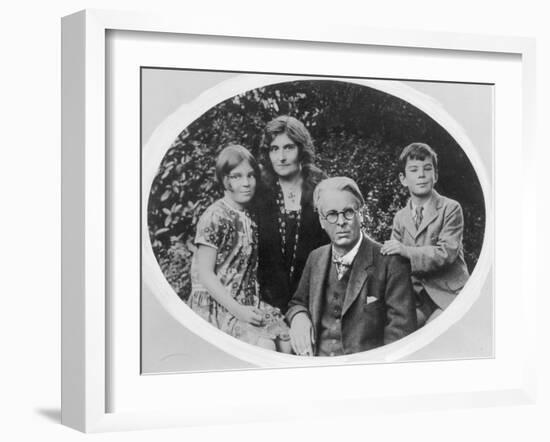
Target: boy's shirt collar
[413, 206]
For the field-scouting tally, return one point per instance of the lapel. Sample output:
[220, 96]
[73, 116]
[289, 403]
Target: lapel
[430, 212]
[408, 221]
[363, 260]
[317, 292]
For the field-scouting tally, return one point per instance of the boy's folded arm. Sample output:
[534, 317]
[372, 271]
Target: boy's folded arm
[445, 251]
[396, 230]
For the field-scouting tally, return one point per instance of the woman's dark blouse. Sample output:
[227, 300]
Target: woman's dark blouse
[276, 284]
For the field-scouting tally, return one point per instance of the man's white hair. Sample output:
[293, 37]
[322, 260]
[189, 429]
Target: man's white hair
[341, 183]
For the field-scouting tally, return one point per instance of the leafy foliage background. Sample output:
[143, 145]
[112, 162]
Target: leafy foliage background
[358, 132]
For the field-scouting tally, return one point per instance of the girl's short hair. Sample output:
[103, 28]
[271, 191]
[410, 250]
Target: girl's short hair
[417, 151]
[230, 157]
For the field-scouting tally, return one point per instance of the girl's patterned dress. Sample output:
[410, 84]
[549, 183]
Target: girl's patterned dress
[233, 233]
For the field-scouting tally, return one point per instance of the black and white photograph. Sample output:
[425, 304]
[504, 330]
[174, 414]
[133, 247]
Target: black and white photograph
[309, 220]
[301, 220]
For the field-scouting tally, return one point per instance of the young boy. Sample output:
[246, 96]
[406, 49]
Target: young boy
[428, 232]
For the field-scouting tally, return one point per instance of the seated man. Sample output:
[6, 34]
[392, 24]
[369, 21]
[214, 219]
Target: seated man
[350, 297]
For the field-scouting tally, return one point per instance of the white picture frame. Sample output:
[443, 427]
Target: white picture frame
[87, 315]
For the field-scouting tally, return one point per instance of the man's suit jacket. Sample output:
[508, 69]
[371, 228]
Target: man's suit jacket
[435, 249]
[379, 305]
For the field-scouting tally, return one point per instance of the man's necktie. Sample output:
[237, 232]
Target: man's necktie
[341, 267]
[418, 217]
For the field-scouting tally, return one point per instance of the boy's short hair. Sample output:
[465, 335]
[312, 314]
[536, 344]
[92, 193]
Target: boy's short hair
[230, 157]
[417, 151]
[341, 183]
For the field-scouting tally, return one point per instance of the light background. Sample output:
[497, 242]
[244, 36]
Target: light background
[30, 183]
[168, 346]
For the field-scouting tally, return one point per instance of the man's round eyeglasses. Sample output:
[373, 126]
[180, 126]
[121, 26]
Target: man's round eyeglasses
[332, 216]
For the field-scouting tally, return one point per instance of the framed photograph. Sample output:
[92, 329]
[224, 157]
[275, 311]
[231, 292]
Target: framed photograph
[192, 154]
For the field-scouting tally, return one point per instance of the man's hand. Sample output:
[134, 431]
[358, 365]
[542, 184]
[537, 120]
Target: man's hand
[301, 335]
[393, 247]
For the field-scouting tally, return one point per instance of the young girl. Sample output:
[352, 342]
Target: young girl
[223, 272]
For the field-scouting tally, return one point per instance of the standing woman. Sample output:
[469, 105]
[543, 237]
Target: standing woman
[224, 268]
[288, 227]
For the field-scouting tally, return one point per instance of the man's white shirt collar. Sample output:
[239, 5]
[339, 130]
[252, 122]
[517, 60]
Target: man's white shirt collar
[348, 258]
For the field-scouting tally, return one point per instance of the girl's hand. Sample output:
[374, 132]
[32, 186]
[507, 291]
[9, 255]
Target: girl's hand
[249, 314]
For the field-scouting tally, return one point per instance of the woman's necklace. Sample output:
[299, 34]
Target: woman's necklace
[292, 193]
[281, 218]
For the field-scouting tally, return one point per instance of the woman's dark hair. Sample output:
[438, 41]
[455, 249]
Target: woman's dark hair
[298, 133]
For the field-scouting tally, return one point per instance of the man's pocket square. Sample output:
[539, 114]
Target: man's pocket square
[371, 299]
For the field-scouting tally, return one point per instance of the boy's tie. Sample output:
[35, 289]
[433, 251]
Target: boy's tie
[418, 216]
